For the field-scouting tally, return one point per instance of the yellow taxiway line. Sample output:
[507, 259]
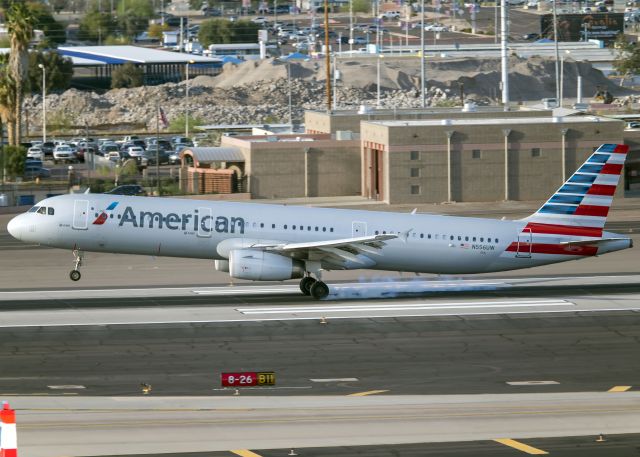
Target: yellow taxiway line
[521, 446]
[369, 392]
[245, 453]
[619, 389]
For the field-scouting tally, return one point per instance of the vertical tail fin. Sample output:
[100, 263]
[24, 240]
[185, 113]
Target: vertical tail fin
[583, 201]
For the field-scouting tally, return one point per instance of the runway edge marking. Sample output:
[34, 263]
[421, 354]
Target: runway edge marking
[619, 388]
[244, 453]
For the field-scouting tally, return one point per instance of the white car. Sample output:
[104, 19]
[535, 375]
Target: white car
[259, 20]
[135, 152]
[63, 153]
[436, 28]
[390, 15]
[34, 152]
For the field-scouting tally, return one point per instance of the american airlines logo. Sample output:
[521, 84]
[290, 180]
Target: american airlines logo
[184, 221]
[104, 215]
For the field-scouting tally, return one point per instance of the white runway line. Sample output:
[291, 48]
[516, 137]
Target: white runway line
[532, 383]
[334, 380]
[403, 307]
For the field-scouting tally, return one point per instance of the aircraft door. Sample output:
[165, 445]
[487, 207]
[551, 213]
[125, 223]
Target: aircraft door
[80, 214]
[358, 229]
[525, 244]
[205, 224]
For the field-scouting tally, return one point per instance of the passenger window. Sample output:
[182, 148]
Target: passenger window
[273, 226]
[293, 227]
[308, 228]
[489, 240]
[316, 229]
[482, 239]
[42, 210]
[466, 238]
[429, 236]
[331, 229]
[261, 224]
[285, 226]
[324, 229]
[451, 237]
[459, 238]
[377, 232]
[496, 241]
[422, 235]
[474, 239]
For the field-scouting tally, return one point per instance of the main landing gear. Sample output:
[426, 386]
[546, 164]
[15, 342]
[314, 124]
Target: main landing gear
[316, 288]
[75, 273]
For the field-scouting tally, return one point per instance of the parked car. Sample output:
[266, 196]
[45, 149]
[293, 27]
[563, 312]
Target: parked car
[149, 157]
[436, 28]
[390, 15]
[64, 153]
[47, 148]
[531, 36]
[360, 40]
[35, 152]
[35, 171]
[260, 20]
[127, 189]
[135, 152]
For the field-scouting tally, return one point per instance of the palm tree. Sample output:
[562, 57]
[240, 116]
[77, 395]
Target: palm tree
[7, 103]
[20, 23]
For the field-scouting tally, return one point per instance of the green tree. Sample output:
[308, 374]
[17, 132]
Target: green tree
[95, 26]
[627, 58]
[7, 97]
[53, 30]
[59, 71]
[14, 159]
[361, 6]
[132, 25]
[127, 75]
[178, 123]
[221, 31]
[155, 30]
[59, 5]
[20, 22]
[142, 8]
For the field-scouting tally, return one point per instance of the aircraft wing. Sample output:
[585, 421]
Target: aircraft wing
[344, 252]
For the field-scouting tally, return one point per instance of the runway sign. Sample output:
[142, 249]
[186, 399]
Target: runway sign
[248, 379]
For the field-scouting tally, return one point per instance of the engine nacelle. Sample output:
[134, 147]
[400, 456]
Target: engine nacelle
[263, 266]
[221, 265]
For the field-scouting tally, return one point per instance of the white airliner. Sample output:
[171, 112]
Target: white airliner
[271, 242]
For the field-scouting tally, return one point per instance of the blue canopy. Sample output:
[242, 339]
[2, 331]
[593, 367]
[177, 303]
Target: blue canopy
[295, 56]
[232, 59]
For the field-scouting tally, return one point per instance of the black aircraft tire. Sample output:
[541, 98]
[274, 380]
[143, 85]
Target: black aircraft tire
[319, 290]
[306, 283]
[75, 275]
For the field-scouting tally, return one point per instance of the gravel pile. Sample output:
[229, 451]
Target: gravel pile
[258, 92]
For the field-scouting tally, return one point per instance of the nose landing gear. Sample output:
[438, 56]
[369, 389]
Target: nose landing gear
[75, 273]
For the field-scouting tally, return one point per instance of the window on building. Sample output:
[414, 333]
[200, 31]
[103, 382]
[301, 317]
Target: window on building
[476, 154]
[415, 172]
[535, 152]
[415, 190]
[414, 155]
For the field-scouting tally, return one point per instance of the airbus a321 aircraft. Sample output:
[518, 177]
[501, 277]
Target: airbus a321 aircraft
[271, 242]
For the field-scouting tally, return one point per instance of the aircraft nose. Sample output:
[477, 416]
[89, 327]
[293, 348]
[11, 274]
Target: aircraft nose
[15, 227]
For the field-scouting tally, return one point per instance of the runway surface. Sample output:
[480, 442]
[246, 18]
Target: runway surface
[87, 426]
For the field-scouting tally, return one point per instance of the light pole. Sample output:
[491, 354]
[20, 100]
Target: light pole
[186, 117]
[422, 63]
[44, 103]
[378, 79]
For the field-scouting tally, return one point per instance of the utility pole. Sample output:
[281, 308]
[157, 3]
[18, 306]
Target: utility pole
[327, 58]
[555, 40]
[422, 62]
[159, 190]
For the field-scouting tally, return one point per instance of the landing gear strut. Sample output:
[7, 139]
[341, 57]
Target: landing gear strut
[306, 283]
[312, 286]
[75, 273]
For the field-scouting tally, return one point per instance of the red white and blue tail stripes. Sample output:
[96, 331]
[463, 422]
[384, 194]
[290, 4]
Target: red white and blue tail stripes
[578, 211]
[585, 198]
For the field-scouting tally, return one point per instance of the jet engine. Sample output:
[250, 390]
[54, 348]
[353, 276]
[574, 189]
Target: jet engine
[263, 266]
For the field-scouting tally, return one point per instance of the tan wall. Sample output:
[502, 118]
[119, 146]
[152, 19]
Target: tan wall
[277, 170]
[482, 179]
[319, 121]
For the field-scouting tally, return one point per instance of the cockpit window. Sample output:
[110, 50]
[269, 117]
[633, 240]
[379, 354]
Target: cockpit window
[50, 211]
[42, 210]
[34, 209]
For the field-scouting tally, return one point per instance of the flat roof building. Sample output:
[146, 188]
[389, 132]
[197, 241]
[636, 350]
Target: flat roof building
[479, 159]
[93, 64]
